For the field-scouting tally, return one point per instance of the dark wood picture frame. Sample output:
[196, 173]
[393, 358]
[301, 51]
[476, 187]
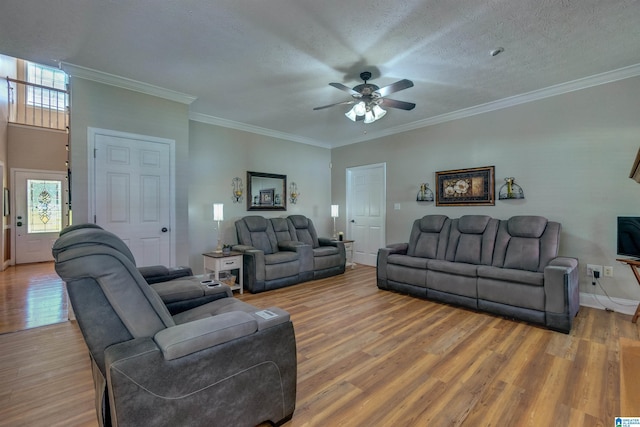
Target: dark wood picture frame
[276, 184]
[466, 187]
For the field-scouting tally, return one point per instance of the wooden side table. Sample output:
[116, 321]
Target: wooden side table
[348, 248]
[634, 264]
[215, 262]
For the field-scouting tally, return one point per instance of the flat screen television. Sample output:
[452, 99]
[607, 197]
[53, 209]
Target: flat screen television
[629, 236]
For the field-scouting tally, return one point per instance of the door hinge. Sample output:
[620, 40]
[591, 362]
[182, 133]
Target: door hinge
[95, 150]
[95, 219]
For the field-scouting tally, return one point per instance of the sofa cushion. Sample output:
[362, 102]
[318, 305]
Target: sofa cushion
[429, 236]
[526, 226]
[281, 227]
[511, 275]
[304, 230]
[455, 268]
[280, 257]
[257, 231]
[473, 224]
[472, 239]
[323, 251]
[407, 261]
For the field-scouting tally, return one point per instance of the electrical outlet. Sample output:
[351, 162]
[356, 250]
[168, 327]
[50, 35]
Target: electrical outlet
[593, 267]
[608, 271]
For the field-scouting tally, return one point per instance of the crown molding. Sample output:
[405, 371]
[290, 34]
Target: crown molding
[125, 83]
[559, 89]
[204, 118]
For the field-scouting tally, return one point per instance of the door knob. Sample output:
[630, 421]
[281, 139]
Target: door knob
[164, 229]
[353, 220]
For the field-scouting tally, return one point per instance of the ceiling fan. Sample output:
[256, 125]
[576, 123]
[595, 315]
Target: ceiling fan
[369, 99]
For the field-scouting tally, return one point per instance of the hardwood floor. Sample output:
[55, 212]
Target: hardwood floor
[372, 357]
[31, 295]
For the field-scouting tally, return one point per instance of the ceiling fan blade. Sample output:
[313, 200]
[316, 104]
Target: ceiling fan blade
[344, 88]
[395, 87]
[331, 105]
[398, 104]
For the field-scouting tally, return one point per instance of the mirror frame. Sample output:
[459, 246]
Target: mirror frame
[283, 193]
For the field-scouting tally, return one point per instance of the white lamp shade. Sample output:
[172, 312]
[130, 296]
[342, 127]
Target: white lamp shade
[369, 118]
[378, 111]
[218, 212]
[360, 109]
[351, 114]
[334, 211]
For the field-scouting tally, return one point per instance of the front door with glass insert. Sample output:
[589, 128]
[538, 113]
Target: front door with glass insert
[41, 212]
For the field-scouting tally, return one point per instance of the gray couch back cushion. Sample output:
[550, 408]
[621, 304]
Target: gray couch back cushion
[429, 236]
[526, 243]
[88, 235]
[472, 239]
[304, 230]
[257, 231]
[283, 229]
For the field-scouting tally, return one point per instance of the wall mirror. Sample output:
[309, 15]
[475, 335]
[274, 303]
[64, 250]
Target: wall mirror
[266, 192]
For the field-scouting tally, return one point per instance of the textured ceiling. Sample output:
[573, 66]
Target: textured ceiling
[264, 65]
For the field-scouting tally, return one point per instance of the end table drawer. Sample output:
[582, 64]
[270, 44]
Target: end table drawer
[231, 263]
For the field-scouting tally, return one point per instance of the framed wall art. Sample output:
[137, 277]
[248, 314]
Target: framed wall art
[266, 197]
[466, 187]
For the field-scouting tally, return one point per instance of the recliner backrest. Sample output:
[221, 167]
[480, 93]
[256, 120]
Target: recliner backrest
[305, 231]
[111, 300]
[526, 242]
[283, 229]
[257, 231]
[472, 239]
[88, 234]
[429, 236]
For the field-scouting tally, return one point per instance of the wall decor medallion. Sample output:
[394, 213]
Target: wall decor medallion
[466, 187]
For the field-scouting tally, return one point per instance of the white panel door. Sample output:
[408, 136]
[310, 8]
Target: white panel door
[41, 211]
[133, 194]
[366, 190]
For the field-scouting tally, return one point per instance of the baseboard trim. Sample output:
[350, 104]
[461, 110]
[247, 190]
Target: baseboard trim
[602, 302]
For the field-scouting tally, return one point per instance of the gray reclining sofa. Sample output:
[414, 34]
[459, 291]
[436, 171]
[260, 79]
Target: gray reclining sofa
[507, 267]
[222, 363]
[280, 252]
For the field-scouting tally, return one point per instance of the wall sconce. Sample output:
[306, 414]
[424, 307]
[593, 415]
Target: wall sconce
[424, 194]
[510, 190]
[218, 215]
[236, 184]
[334, 215]
[293, 193]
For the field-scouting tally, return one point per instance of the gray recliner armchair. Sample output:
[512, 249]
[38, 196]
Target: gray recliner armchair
[178, 294]
[271, 255]
[222, 363]
[153, 273]
[329, 256]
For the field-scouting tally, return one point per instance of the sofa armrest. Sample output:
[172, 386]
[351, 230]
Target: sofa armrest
[398, 248]
[243, 248]
[561, 286]
[181, 340]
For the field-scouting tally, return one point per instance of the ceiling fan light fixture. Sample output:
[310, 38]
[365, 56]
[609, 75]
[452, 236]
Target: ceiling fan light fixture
[378, 112]
[360, 108]
[369, 117]
[351, 114]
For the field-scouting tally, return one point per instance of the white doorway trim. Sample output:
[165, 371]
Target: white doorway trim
[92, 134]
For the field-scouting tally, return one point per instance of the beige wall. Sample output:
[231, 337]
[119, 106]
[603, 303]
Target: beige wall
[571, 154]
[107, 107]
[218, 154]
[35, 148]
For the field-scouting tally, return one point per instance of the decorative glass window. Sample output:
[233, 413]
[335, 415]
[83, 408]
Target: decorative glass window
[50, 77]
[44, 204]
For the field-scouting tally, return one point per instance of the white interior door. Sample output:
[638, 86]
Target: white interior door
[41, 211]
[133, 193]
[366, 201]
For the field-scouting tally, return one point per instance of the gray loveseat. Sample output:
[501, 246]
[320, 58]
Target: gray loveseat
[507, 267]
[280, 252]
[221, 363]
